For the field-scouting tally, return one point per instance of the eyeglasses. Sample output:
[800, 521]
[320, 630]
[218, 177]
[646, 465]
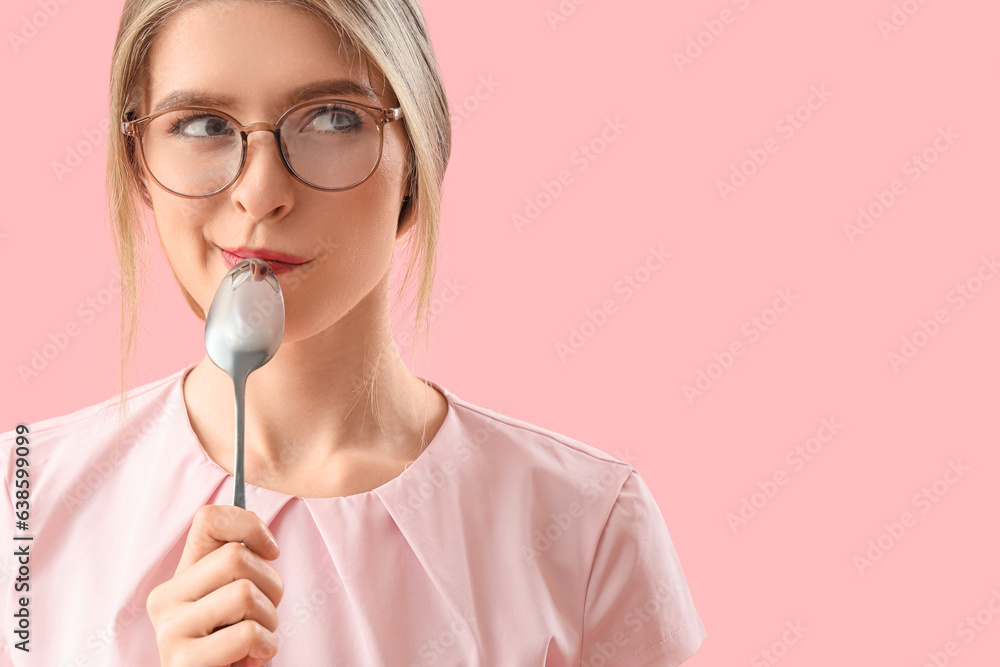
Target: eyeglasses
[198, 151]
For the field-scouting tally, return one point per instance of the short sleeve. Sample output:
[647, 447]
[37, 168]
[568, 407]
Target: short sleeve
[638, 610]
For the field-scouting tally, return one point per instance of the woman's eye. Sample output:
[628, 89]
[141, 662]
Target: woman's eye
[336, 121]
[203, 126]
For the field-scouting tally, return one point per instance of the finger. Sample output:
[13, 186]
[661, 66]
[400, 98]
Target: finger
[232, 643]
[216, 525]
[236, 601]
[228, 563]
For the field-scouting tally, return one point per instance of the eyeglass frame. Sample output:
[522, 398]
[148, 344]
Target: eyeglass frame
[137, 127]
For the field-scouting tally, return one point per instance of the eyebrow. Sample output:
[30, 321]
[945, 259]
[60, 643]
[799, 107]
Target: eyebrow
[330, 87]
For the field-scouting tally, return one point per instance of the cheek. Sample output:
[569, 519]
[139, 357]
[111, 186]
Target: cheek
[180, 230]
[353, 251]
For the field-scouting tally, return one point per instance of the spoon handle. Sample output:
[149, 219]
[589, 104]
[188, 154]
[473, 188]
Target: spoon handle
[239, 490]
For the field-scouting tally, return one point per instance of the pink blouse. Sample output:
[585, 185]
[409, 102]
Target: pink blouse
[503, 544]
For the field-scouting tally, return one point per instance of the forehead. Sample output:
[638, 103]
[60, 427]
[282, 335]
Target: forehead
[251, 58]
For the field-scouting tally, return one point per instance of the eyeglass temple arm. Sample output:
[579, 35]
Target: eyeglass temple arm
[128, 127]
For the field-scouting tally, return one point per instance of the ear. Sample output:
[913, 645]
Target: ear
[407, 212]
[138, 173]
[406, 217]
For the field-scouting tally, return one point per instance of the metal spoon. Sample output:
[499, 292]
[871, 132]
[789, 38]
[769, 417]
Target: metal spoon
[243, 330]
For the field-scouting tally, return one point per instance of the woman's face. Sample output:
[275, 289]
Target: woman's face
[257, 54]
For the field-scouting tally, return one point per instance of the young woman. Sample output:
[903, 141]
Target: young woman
[388, 521]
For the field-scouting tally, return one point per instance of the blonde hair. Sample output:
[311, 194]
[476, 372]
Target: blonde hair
[391, 34]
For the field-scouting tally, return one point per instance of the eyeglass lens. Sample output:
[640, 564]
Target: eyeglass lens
[195, 152]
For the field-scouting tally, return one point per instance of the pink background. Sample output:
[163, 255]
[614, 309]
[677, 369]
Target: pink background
[683, 128]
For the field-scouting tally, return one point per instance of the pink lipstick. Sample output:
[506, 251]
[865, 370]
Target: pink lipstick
[278, 261]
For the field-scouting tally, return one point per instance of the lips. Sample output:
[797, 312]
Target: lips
[278, 261]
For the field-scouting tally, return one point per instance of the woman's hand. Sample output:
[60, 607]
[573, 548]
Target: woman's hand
[222, 581]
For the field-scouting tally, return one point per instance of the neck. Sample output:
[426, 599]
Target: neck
[342, 394]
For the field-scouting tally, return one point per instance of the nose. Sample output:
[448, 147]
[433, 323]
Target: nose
[265, 183]
[270, 129]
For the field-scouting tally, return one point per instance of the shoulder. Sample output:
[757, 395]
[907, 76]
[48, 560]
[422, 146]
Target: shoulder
[95, 502]
[84, 446]
[539, 455]
[93, 418]
[547, 494]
